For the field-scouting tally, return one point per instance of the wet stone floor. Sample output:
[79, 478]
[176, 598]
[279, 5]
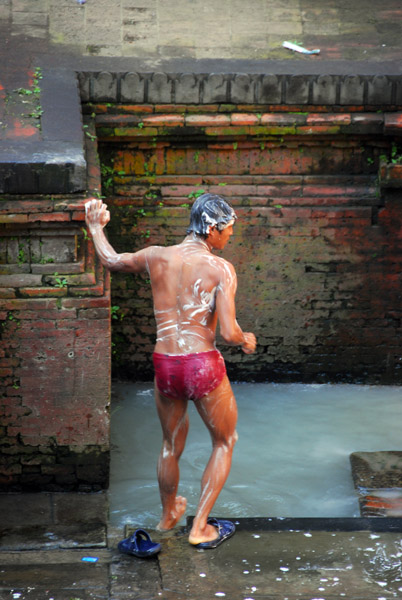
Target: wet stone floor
[60, 546]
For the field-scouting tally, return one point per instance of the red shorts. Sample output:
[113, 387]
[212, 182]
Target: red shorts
[189, 376]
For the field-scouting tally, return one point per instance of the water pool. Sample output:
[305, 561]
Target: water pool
[291, 460]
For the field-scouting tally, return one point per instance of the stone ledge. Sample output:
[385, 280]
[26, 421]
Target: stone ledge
[241, 88]
[56, 164]
[312, 524]
[377, 477]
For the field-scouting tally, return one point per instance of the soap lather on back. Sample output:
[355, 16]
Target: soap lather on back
[186, 284]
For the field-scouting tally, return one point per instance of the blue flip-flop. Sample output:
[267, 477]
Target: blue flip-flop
[225, 530]
[139, 544]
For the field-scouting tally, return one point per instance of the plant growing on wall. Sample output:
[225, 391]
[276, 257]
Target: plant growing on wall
[31, 98]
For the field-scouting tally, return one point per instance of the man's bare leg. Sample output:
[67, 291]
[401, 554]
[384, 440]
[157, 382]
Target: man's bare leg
[174, 420]
[219, 412]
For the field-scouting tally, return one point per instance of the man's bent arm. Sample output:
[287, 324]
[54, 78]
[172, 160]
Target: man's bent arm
[230, 330]
[96, 217]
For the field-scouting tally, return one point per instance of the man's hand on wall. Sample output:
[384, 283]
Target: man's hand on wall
[96, 214]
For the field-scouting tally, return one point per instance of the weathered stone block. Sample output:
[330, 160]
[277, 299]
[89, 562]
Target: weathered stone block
[104, 87]
[352, 90]
[59, 248]
[160, 88]
[215, 88]
[84, 81]
[325, 89]
[379, 90]
[269, 90]
[242, 89]
[397, 82]
[132, 88]
[187, 88]
[297, 89]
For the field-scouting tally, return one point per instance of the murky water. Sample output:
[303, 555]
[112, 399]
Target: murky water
[291, 460]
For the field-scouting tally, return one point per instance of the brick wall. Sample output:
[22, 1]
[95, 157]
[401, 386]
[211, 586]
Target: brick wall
[55, 346]
[316, 247]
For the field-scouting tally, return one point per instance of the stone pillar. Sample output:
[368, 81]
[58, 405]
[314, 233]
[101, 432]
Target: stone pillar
[54, 308]
[55, 349]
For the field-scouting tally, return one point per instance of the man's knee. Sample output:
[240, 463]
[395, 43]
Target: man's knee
[234, 438]
[228, 442]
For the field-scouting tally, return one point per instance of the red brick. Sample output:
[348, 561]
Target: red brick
[393, 123]
[26, 206]
[7, 293]
[318, 130]
[11, 401]
[37, 324]
[328, 119]
[283, 120]
[32, 332]
[49, 217]
[135, 109]
[38, 292]
[79, 303]
[164, 120]
[6, 372]
[134, 132]
[49, 315]
[9, 362]
[20, 280]
[78, 215]
[244, 119]
[14, 218]
[33, 304]
[207, 120]
[368, 119]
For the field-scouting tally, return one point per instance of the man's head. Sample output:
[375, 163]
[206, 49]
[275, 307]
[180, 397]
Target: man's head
[210, 210]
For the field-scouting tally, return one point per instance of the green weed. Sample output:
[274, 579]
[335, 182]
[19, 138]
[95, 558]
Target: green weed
[59, 282]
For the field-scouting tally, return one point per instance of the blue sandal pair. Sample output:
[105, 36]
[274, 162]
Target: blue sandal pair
[139, 544]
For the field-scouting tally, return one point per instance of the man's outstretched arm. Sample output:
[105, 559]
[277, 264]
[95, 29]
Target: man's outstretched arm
[97, 217]
[225, 305]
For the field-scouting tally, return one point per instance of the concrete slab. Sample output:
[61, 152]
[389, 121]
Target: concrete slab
[79, 535]
[282, 558]
[52, 521]
[281, 564]
[35, 509]
[82, 508]
[273, 559]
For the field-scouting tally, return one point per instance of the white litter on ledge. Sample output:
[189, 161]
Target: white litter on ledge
[297, 48]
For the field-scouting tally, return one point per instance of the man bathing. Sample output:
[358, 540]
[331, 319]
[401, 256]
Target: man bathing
[192, 289]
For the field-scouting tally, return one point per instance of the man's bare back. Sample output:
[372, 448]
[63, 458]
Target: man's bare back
[187, 282]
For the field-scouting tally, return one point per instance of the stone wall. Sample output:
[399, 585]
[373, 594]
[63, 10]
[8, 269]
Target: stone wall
[316, 246]
[55, 345]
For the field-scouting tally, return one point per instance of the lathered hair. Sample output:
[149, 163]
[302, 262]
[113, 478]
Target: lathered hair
[210, 210]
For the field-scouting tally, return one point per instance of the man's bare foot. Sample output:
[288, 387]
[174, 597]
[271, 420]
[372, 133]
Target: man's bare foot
[207, 534]
[174, 516]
